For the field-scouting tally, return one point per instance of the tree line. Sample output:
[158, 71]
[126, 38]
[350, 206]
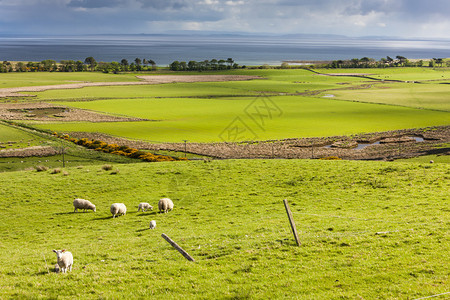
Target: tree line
[89, 64]
[399, 61]
[205, 65]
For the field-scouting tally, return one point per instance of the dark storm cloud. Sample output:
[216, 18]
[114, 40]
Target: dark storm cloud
[411, 8]
[348, 17]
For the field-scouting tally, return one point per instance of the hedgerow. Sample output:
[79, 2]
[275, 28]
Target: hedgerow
[116, 149]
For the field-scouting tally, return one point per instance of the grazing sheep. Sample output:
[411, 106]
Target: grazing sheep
[83, 204]
[431, 161]
[165, 204]
[144, 206]
[118, 209]
[65, 260]
[152, 224]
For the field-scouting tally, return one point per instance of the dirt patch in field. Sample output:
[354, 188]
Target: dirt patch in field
[30, 151]
[400, 145]
[145, 80]
[347, 74]
[50, 112]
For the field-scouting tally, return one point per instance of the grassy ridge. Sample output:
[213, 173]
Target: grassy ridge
[229, 215]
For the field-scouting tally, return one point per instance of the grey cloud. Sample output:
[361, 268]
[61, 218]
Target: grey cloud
[164, 4]
[94, 3]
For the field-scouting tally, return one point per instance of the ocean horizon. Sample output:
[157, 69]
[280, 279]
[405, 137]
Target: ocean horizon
[244, 49]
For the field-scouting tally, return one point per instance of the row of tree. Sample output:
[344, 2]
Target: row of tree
[399, 61]
[205, 65]
[89, 64]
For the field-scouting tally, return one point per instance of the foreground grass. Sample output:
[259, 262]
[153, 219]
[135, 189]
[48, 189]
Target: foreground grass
[368, 230]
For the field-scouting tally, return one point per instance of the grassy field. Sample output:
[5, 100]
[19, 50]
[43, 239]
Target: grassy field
[201, 112]
[12, 138]
[422, 96]
[205, 120]
[8, 80]
[371, 230]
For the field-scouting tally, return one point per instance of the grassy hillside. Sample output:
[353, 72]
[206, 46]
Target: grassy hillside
[368, 230]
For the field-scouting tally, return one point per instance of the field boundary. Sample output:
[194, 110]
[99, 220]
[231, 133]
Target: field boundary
[392, 145]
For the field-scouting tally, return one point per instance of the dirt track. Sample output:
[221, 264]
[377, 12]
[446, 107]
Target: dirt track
[145, 80]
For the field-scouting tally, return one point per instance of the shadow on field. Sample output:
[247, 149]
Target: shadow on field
[140, 230]
[145, 214]
[104, 218]
[65, 213]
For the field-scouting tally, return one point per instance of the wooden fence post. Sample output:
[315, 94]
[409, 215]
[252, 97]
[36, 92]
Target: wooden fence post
[175, 245]
[291, 220]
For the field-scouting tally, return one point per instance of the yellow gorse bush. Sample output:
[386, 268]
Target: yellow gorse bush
[117, 150]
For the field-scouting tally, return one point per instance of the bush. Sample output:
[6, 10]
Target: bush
[107, 167]
[55, 171]
[330, 158]
[41, 168]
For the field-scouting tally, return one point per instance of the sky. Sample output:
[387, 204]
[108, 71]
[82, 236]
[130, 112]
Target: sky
[397, 18]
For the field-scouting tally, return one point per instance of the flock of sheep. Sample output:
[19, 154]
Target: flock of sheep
[65, 258]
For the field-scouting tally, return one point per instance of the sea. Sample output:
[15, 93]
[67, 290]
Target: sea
[246, 50]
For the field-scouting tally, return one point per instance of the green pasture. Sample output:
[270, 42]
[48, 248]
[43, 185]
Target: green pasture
[258, 118]
[8, 80]
[403, 74]
[202, 112]
[424, 96]
[8, 164]
[272, 82]
[13, 138]
[369, 230]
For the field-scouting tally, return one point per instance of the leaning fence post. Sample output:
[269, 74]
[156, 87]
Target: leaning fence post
[175, 245]
[291, 220]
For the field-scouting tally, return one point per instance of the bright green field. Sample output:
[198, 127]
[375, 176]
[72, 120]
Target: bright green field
[206, 120]
[203, 112]
[369, 230]
[428, 96]
[404, 74]
[12, 138]
[8, 80]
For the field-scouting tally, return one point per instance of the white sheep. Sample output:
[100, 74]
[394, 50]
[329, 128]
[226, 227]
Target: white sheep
[83, 204]
[118, 209]
[165, 204]
[144, 206]
[65, 260]
[152, 224]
